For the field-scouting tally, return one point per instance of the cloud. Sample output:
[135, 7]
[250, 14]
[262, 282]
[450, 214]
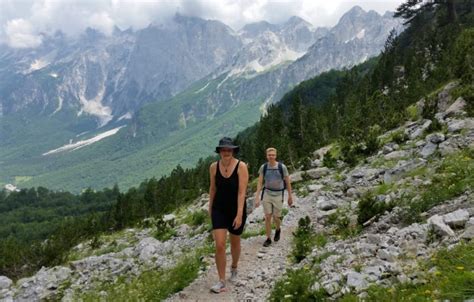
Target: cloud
[22, 22]
[20, 34]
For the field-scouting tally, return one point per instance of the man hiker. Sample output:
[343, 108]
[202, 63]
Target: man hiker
[275, 179]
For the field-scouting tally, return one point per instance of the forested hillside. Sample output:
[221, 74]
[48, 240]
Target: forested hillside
[348, 108]
[372, 97]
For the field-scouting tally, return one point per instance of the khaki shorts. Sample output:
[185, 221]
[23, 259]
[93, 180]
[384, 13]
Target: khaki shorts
[272, 204]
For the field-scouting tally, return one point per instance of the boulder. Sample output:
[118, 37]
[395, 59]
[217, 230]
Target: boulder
[437, 224]
[352, 192]
[169, 217]
[457, 218]
[357, 280]
[455, 125]
[326, 204]
[457, 107]
[318, 172]
[396, 155]
[297, 176]
[417, 130]
[428, 149]
[331, 287]
[148, 249]
[313, 188]
[447, 147]
[444, 97]
[468, 233]
[470, 222]
[5, 282]
[319, 154]
[435, 138]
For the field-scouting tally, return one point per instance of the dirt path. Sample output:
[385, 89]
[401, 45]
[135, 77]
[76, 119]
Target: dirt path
[259, 267]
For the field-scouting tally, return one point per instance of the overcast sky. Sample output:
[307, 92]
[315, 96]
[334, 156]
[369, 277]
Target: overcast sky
[22, 21]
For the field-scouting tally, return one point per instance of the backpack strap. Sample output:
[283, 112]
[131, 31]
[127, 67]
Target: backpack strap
[265, 168]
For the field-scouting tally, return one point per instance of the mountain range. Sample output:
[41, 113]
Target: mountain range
[96, 110]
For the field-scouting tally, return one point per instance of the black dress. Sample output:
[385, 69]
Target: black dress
[225, 204]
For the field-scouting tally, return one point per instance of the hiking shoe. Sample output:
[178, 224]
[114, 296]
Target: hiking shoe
[267, 242]
[219, 287]
[277, 235]
[233, 275]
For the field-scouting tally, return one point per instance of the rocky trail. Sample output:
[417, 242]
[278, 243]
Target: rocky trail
[259, 266]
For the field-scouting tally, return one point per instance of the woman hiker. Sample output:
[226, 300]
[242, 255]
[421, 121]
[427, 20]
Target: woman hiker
[229, 179]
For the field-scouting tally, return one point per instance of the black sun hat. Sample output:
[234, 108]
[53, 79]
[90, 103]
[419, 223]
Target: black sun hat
[226, 142]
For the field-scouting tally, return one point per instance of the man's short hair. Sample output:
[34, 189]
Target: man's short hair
[271, 149]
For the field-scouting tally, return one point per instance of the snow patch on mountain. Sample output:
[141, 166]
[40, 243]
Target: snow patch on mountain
[202, 89]
[126, 116]
[60, 105]
[80, 144]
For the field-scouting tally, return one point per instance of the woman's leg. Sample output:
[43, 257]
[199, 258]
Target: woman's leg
[235, 249]
[220, 237]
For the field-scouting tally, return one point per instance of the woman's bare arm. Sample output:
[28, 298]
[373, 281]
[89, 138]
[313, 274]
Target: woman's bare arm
[212, 186]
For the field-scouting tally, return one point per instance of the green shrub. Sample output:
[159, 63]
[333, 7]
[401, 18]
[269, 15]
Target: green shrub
[369, 207]
[412, 113]
[329, 161]
[342, 225]
[296, 286]
[399, 137]
[304, 239]
[197, 218]
[164, 230]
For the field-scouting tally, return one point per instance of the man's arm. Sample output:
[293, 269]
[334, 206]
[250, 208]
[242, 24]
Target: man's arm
[259, 189]
[288, 188]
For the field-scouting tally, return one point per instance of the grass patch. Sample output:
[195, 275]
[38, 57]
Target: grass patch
[453, 280]
[197, 218]
[453, 177]
[252, 233]
[152, 285]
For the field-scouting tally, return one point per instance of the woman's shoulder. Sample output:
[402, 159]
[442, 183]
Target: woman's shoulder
[213, 165]
[242, 164]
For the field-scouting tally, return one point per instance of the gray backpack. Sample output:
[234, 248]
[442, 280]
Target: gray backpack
[274, 179]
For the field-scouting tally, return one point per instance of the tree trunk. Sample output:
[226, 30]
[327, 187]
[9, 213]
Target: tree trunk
[451, 6]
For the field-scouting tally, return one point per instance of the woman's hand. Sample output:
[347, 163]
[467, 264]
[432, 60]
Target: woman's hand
[237, 221]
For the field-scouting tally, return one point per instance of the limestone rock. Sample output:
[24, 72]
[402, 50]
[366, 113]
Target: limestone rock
[428, 149]
[435, 138]
[326, 204]
[318, 172]
[457, 107]
[5, 282]
[457, 218]
[357, 281]
[438, 225]
[468, 233]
